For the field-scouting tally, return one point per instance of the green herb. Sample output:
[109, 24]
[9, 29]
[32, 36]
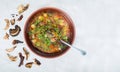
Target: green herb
[47, 41]
[29, 33]
[37, 22]
[65, 38]
[37, 44]
[48, 21]
[50, 14]
[40, 36]
[46, 49]
[57, 30]
[62, 46]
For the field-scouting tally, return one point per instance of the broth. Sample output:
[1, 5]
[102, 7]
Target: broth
[46, 29]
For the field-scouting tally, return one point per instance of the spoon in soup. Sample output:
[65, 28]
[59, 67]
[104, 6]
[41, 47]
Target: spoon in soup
[82, 51]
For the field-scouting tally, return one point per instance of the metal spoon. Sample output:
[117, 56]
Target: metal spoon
[82, 51]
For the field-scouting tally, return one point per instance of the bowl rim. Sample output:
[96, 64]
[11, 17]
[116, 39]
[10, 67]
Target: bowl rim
[68, 19]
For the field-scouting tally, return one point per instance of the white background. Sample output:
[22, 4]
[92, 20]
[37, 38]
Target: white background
[97, 24]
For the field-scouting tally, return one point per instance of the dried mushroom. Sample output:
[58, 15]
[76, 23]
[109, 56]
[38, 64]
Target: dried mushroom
[21, 8]
[37, 62]
[21, 59]
[7, 24]
[11, 49]
[12, 58]
[16, 31]
[6, 36]
[12, 21]
[16, 14]
[13, 15]
[20, 18]
[26, 53]
[29, 64]
[16, 42]
[26, 6]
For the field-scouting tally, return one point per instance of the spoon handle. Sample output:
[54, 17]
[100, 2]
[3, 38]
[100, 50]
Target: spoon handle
[82, 51]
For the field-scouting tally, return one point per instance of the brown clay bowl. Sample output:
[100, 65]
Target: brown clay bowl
[41, 53]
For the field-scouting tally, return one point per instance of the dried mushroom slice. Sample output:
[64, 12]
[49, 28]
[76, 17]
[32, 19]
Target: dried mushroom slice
[37, 62]
[21, 8]
[7, 24]
[16, 31]
[12, 58]
[20, 18]
[21, 59]
[11, 49]
[16, 42]
[6, 37]
[26, 53]
[12, 21]
[14, 15]
[26, 6]
[29, 64]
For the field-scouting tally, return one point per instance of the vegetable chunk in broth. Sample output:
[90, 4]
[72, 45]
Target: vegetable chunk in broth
[46, 29]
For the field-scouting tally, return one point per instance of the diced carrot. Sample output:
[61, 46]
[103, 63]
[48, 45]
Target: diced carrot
[51, 46]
